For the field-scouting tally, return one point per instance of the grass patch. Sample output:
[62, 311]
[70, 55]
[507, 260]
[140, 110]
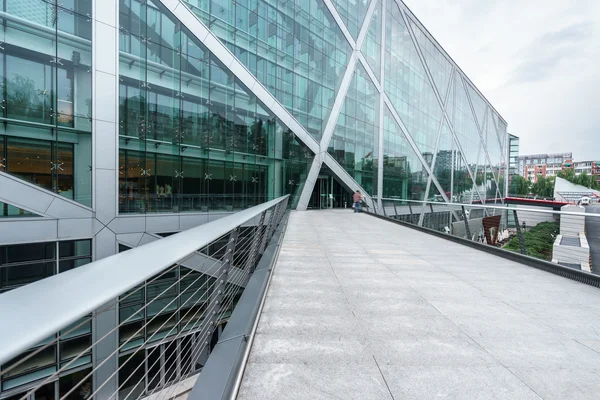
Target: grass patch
[538, 241]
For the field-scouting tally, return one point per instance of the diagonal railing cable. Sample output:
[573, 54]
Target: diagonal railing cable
[86, 290]
[127, 341]
[201, 334]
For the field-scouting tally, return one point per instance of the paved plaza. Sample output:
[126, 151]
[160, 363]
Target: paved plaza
[361, 308]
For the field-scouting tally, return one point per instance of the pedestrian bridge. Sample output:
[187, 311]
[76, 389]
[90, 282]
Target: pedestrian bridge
[266, 304]
[362, 308]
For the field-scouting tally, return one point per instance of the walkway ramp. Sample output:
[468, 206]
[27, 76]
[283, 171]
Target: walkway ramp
[361, 308]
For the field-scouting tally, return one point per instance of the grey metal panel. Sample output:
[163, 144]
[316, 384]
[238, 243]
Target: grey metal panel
[105, 12]
[73, 228]
[39, 309]
[106, 57]
[61, 208]
[105, 147]
[105, 245]
[105, 96]
[130, 239]
[216, 216]
[106, 195]
[24, 195]
[128, 224]
[147, 238]
[162, 223]
[28, 231]
[189, 221]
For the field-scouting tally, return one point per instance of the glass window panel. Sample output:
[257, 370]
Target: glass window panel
[132, 371]
[17, 275]
[75, 248]
[68, 383]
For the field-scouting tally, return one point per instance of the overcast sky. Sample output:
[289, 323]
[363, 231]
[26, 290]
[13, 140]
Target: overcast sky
[536, 61]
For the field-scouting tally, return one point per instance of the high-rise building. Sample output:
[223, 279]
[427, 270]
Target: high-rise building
[126, 119]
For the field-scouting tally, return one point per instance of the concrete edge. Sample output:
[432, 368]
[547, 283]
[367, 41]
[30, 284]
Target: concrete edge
[224, 365]
[557, 269]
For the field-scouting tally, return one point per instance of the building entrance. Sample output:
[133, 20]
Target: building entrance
[329, 193]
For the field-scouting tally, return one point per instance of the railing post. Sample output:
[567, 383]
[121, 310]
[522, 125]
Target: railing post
[271, 225]
[467, 228]
[519, 233]
[383, 207]
[254, 247]
[395, 209]
[209, 324]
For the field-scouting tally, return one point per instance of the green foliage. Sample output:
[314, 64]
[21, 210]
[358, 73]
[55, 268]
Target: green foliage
[544, 187]
[583, 179]
[538, 241]
[522, 185]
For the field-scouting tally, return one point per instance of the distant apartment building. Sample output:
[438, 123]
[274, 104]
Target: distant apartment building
[531, 166]
[547, 165]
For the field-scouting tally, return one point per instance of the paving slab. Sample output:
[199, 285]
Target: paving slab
[362, 308]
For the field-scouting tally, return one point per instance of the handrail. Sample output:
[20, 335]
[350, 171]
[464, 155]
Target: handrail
[36, 311]
[495, 207]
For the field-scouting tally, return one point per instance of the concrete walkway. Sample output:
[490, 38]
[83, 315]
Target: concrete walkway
[361, 308]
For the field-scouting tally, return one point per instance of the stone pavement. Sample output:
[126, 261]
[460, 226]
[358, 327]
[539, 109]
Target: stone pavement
[361, 308]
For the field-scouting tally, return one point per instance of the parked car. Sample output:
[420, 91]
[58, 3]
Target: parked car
[585, 201]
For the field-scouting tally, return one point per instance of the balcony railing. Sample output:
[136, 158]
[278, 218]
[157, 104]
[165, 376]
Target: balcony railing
[166, 301]
[558, 238]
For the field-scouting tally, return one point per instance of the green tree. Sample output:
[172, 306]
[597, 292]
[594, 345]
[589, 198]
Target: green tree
[522, 186]
[584, 180]
[543, 187]
[568, 174]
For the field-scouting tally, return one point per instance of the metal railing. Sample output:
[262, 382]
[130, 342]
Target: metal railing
[536, 231]
[168, 298]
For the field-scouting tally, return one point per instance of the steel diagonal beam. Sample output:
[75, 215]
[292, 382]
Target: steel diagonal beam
[431, 82]
[479, 127]
[365, 26]
[221, 52]
[315, 168]
[415, 148]
[327, 133]
[381, 148]
[370, 72]
[340, 23]
[437, 147]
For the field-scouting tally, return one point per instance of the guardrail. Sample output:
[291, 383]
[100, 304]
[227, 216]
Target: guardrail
[168, 298]
[556, 238]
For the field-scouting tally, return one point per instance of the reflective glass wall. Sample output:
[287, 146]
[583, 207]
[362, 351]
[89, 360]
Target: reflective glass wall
[192, 137]
[46, 103]
[294, 48]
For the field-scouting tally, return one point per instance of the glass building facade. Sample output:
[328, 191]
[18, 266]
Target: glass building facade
[123, 118]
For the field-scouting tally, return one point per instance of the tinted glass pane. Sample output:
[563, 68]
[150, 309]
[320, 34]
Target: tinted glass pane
[11, 276]
[68, 383]
[28, 252]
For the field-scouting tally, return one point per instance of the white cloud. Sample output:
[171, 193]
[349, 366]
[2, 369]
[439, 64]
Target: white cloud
[536, 61]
